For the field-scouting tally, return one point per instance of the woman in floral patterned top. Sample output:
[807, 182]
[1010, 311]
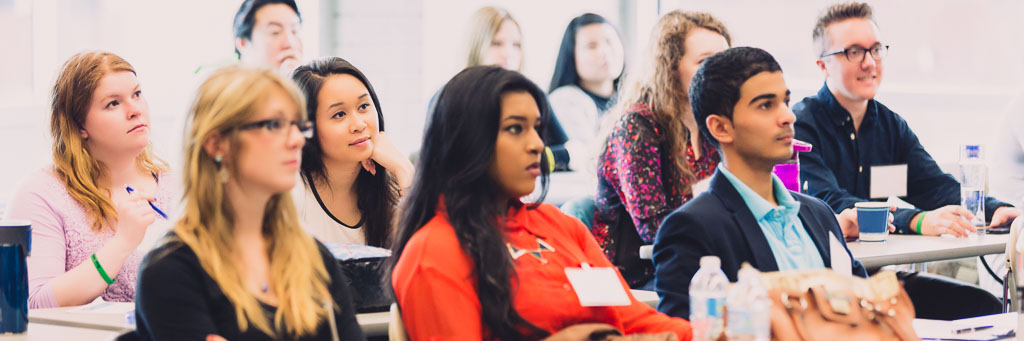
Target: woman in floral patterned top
[653, 154]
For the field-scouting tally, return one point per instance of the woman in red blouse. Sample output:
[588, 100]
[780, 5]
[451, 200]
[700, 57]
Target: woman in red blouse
[653, 154]
[472, 261]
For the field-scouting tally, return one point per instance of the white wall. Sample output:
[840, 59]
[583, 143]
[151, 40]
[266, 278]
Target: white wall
[164, 40]
[952, 68]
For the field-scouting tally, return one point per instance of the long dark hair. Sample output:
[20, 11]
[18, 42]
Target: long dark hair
[565, 65]
[458, 147]
[377, 195]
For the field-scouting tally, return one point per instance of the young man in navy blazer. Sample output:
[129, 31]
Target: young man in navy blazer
[741, 104]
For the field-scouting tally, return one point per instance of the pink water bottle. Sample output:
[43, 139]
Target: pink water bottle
[789, 172]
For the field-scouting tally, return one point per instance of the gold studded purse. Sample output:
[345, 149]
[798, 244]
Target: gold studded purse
[823, 305]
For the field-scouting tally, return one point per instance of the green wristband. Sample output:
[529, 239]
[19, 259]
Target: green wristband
[99, 268]
[920, 220]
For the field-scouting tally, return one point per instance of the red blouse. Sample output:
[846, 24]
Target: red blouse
[436, 289]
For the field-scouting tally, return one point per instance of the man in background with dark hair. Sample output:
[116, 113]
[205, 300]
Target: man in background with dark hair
[741, 104]
[267, 34]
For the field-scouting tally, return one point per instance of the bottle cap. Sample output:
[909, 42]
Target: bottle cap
[971, 151]
[746, 270]
[17, 232]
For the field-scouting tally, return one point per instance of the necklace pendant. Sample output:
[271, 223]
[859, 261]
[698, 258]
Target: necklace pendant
[542, 246]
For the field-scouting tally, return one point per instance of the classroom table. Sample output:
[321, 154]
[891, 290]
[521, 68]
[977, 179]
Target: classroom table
[910, 249]
[69, 319]
[50, 332]
[373, 324]
[943, 330]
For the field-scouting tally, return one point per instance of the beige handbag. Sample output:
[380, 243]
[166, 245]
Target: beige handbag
[827, 306]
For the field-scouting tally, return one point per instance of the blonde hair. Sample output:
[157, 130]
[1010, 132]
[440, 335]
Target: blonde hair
[484, 25]
[658, 85]
[836, 13]
[226, 100]
[74, 166]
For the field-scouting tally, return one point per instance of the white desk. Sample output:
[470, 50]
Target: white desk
[56, 321]
[649, 297]
[908, 249]
[935, 330]
[373, 324]
[66, 317]
[49, 332]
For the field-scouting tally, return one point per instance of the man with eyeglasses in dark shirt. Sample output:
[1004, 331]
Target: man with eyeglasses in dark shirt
[853, 134]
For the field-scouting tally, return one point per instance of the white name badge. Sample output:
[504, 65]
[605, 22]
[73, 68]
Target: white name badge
[597, 287]
[841, 262]
[888, 181]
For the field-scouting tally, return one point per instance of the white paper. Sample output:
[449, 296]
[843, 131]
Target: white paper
[597, 287]
[841, 262]
[943, 330]
[104, 307]
[888, 181]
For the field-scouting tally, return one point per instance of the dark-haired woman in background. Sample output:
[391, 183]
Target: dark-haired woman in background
[351, 171]
[587, 72]
[471, 261]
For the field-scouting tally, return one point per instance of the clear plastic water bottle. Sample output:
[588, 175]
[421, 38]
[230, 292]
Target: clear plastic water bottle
[973, 177]
[707, 299]
[748, 308]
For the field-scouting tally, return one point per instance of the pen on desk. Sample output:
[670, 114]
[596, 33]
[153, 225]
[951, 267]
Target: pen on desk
[158, 211]
[970, 329]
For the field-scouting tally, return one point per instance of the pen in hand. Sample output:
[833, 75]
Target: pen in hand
[970, 329]
[158, 211]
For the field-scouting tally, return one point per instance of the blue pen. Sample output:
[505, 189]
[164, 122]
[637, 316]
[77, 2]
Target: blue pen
[158, 211]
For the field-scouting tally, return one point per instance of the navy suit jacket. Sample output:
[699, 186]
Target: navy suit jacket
[719, 223]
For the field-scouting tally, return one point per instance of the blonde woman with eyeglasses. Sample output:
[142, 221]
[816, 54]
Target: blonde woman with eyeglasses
[238, 265]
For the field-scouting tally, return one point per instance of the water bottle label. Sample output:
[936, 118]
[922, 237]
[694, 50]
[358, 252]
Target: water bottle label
[705, 306]
[749, 322]
[715, 306]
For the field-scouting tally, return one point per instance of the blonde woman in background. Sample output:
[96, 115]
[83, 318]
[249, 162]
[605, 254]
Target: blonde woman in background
[87, 228]
[495, 38]
[238, 264]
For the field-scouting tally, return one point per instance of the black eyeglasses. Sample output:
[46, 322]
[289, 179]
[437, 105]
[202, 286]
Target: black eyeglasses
[858, 54]
[275, 126]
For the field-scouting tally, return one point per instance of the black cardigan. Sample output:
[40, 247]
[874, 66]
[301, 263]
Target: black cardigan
[177, 300]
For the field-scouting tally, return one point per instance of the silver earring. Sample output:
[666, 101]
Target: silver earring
[222, 174]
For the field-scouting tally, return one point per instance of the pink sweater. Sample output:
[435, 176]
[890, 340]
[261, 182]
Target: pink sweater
[62, 236]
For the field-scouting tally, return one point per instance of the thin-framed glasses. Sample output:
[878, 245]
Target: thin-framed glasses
[277, 126]
[858, 54]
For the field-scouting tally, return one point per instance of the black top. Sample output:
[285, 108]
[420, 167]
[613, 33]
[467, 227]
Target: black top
[312, 187]
[177, 300]
[838, 169]
[719, 223]
[601, 102]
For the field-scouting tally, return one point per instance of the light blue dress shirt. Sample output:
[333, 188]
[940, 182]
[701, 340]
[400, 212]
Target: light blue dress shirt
[781, 225]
